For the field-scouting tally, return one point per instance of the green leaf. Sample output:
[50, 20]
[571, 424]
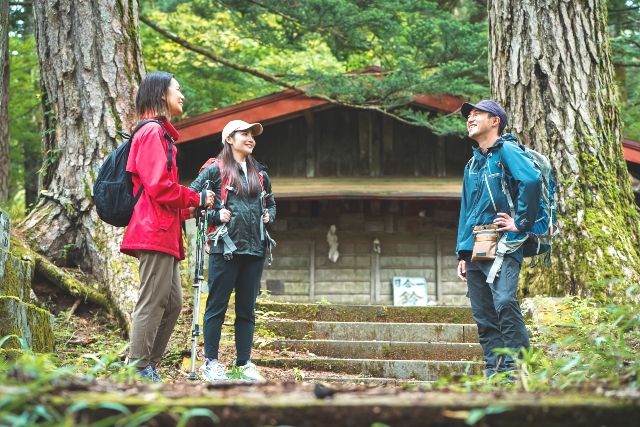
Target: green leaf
[197, 412]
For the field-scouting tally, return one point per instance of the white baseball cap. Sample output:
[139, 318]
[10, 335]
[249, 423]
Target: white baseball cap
[236, 125]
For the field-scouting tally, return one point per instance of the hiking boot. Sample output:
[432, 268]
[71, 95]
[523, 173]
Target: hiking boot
[212, 370]
[250, 373]
[148, 373]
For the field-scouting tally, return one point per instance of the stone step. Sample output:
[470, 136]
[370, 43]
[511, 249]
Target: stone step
[422, 370]
[368, 381]
[387, 350]
[374, 331]
[367, 313]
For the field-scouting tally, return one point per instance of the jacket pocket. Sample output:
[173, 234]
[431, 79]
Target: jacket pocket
[165, 216]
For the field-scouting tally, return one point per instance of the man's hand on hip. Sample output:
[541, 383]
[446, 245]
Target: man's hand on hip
[505, 223]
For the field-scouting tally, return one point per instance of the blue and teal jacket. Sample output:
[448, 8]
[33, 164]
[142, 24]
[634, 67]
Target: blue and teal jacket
[483, 191]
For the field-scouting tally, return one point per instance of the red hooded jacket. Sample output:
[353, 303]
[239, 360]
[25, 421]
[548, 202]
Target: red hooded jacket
[157, 217]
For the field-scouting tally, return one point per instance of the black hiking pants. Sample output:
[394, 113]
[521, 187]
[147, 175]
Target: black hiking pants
[242, 273]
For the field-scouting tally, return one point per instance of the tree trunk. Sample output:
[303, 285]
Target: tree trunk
[550, 66]
[4, 100]
[91, 64]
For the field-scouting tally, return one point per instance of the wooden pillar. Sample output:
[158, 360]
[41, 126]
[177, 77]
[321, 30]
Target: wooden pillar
[438, 269]
[310, 171]
[375, 146]
[387, 145]
[441, 157]
[312, 270]
[364, 140]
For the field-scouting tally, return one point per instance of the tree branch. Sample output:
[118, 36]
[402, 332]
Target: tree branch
[257, 73]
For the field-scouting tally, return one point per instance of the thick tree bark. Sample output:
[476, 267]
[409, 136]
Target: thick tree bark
[550, 66]
[91, 64]
[4, 100]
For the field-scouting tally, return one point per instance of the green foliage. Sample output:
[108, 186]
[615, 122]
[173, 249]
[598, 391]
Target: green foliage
[598, 350]
[420, 47]
[624, 30]
[29, 384]
[15, 206]
[24, 109]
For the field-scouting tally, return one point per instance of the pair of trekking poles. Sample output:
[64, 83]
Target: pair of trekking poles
[198, 281]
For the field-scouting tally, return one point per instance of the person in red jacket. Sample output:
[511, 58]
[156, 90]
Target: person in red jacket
[154, 234]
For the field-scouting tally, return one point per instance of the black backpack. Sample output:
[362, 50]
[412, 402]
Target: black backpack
[113, 189]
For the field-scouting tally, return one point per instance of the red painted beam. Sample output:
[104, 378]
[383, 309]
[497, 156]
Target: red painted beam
[256, 110]
[631, 150]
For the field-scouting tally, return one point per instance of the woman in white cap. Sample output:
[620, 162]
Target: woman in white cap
[244, 205]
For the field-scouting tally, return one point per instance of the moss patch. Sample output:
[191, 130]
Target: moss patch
[28, 321]
[367, 313]
[18, 274]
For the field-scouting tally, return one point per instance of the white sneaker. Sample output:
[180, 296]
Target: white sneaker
[212, 370]
[250, 372]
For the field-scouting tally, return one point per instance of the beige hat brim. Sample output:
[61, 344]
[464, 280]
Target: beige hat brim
[256, 128]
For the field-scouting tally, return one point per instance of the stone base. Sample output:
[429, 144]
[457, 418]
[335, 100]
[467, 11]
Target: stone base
[28, 321]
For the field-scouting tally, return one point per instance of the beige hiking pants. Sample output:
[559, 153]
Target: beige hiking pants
[158, 307]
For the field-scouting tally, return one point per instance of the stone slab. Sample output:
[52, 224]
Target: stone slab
[5, 239]
[374, 331]
[421, 370]
[25, 320]
[384, 350]
[369, 313]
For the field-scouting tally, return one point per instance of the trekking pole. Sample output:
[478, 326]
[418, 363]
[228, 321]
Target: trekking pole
[201, 241]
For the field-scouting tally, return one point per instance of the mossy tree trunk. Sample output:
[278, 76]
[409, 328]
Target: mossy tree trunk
[91, 64]
[4, 100]
[550, 66]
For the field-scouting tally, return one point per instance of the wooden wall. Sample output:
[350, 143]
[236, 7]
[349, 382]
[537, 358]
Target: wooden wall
[417, 239]
[341, 142]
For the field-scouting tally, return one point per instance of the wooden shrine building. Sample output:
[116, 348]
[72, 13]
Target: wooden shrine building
[391, 190]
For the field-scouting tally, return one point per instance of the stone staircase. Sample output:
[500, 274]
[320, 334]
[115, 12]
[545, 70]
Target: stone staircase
[372, 344]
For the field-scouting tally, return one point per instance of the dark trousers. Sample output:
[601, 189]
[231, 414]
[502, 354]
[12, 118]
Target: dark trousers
[497, 312]
[242, 273]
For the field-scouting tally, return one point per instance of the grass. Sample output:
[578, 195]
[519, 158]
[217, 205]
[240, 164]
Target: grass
[597, 351]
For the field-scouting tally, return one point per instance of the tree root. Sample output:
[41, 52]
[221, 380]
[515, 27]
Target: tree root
[74, 287]
[64, 280]
[68, 283]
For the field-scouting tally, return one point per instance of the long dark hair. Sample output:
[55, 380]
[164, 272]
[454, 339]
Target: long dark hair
[151, 94]
[230, 170]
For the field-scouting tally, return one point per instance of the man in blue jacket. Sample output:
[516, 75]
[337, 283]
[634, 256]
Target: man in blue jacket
[498, 165]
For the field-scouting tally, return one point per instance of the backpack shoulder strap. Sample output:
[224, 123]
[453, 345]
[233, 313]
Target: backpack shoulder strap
[208, 163]
[225, 181]
[140, 125]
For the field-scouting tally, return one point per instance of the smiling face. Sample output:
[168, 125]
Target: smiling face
[242, 143]
[174, 98]
[481, 124]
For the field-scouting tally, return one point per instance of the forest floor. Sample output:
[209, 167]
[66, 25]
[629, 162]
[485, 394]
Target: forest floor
[83, 329]
[87, 335]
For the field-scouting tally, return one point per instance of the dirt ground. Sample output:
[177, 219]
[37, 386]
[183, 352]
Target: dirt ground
[86, 329]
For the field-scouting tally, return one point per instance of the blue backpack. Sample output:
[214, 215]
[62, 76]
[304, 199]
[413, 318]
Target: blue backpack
[539, 237]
